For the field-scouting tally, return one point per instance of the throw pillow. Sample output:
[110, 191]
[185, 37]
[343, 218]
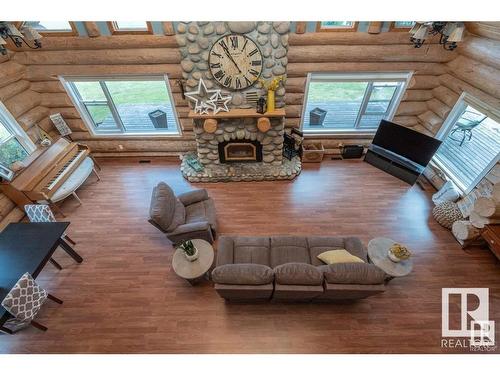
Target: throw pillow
[339, 256]
[447, 193]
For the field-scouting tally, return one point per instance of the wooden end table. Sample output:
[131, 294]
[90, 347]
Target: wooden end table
[377, 252]
[193, 271]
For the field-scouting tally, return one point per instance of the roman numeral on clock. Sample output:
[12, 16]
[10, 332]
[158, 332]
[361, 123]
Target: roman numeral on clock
[248, 81]
[218, 75]
[214, 66]
[257, 63]
[253, 72]
[253, 52]
[244, 45]
[238, 83]
[223, 44]
[234, 42]
[228, 81]
[216, 54]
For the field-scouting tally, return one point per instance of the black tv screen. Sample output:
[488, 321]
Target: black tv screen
[403, 141]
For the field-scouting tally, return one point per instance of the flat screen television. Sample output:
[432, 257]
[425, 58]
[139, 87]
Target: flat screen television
[417, 147]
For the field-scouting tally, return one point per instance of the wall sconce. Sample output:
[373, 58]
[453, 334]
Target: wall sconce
[27, 36]
[450, 33]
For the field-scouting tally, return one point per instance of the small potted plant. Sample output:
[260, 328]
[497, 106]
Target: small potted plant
[190, 251]
[398, 252]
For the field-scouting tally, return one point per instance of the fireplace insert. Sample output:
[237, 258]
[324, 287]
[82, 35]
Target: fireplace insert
[240, 151]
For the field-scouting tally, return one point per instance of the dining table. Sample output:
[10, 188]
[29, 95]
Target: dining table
[27, 247]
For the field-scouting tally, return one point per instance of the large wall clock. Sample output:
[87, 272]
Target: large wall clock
[235, 61]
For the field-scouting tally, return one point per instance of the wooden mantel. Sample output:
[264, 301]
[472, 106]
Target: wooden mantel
[238, 113]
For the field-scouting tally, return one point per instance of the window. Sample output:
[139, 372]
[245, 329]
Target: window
[402, 25]
[336, 26]
[471, 142]
[130, 27]
[52, 27]
[139, 105]
[15, 145]
[350, 102]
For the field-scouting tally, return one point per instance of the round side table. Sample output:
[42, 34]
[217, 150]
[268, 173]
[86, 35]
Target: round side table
[192, 271]
[377, 252]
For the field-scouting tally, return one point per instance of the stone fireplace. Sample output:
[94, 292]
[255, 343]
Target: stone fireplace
[232, 147]
[237, 150]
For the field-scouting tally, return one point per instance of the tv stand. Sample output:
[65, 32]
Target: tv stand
[394, 164]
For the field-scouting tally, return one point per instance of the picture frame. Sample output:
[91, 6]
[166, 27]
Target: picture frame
[6, 173]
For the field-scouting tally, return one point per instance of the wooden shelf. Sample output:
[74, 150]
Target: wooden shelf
[239, 113]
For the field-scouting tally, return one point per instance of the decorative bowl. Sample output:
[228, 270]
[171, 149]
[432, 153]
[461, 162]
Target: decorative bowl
[398, 252]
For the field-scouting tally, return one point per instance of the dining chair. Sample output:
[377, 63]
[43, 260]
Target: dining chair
[41, 213]
[23, 302]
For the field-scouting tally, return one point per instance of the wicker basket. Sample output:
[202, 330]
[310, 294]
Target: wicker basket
[446, 214]
[313, 152]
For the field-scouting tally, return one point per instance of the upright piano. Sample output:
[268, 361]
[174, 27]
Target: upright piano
[45, 173]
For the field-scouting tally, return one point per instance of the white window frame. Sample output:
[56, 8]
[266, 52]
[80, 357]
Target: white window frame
[402, 27]
[352, 27]
[70, 30]
[463, 101]
[15, 130]
[67, 82]
[404, 77]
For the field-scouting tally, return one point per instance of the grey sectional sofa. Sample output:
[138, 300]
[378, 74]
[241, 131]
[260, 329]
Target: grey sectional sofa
[286, 268]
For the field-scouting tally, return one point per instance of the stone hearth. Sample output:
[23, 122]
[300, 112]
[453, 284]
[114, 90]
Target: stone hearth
[272, 167]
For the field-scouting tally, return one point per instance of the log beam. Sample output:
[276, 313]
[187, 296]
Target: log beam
[477, 74]
[23, 102]
[13, 89]
[350, 39]
[92, 29]
[301, 69]
[368, 53]
[10, 72]
[168, 28]
[47, 72]
[101, 57]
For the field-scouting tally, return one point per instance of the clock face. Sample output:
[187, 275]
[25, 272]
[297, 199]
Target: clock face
[235, 61]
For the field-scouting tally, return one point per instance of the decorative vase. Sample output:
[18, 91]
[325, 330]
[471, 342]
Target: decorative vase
[270, 101]
[193, 257]
[392, 257]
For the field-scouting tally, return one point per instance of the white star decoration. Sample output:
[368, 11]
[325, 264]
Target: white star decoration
[219, 102]
[215, 102]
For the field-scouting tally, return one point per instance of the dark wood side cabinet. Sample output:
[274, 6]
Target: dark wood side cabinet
[491, 234]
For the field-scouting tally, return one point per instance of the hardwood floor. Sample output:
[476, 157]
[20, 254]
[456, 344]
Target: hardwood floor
[125, 297]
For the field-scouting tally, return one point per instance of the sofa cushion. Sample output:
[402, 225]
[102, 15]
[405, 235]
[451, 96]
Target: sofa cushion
[289, 249]
[210, 212]
[356, 247]
[179, 216]
[163, 206]
[196, 212]
[243, 274]
[339, 256]
[353, 273]
[253, 250]
[298, 274]
[320, 244]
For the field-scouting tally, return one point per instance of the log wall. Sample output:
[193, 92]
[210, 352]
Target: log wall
[103, 55]
[358, 51]
[22, 103]
[476, 70]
